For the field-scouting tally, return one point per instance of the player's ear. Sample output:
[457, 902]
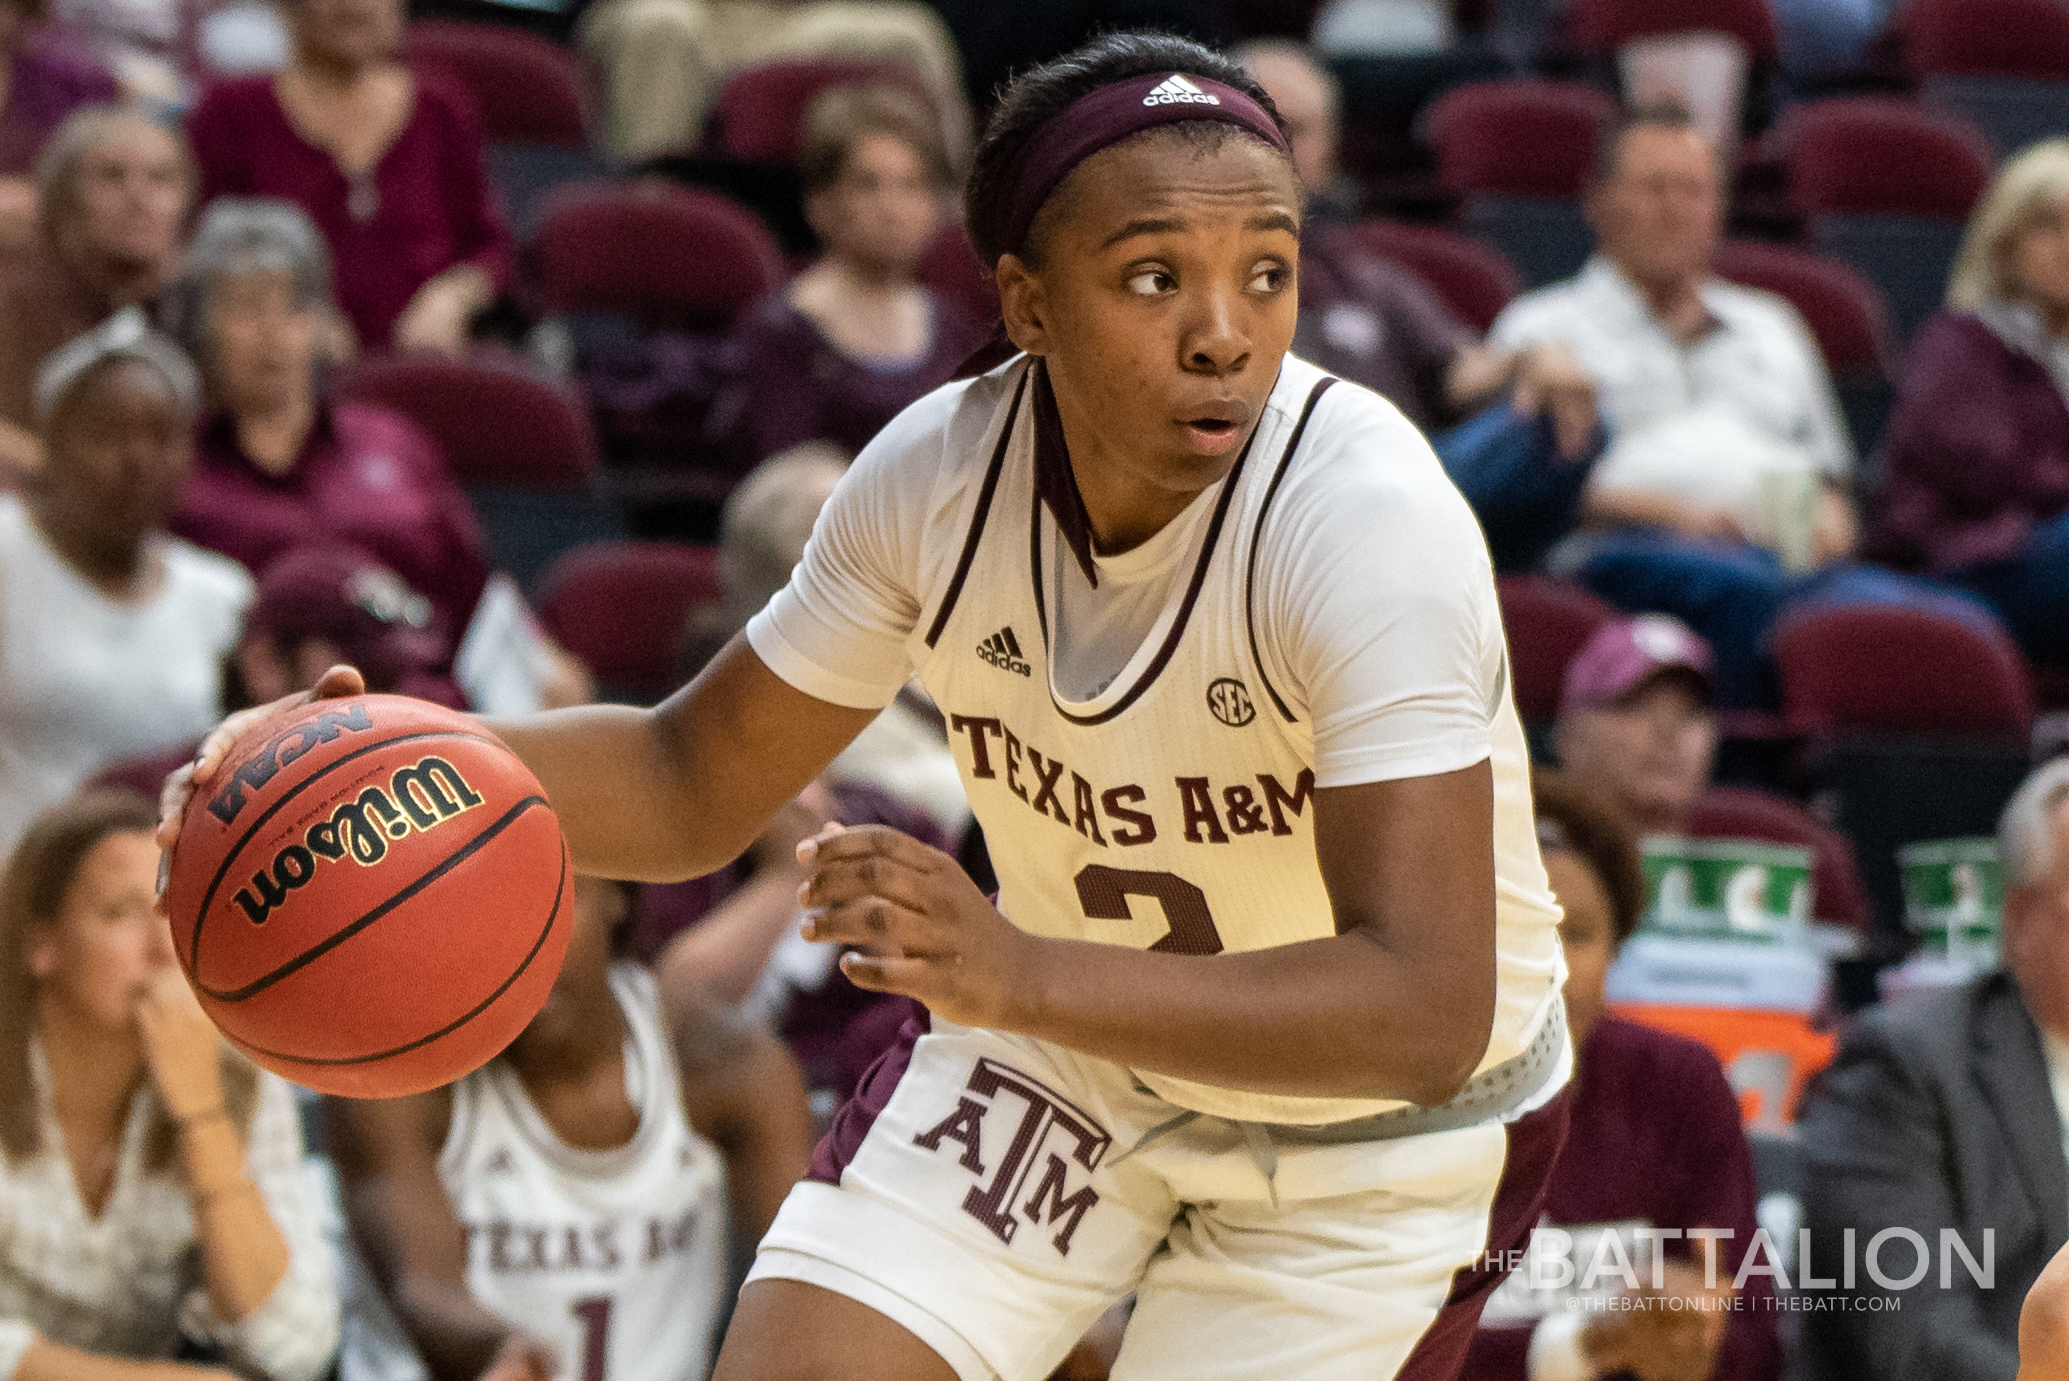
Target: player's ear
[1022, 305]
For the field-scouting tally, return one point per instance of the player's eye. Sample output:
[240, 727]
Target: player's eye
[1151, 282]
[1269, 277]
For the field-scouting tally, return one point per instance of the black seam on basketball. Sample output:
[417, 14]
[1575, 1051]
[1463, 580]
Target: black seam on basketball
[977, 520]
[260, 821]
[559, 894]
[1257, 537]
[338, 937]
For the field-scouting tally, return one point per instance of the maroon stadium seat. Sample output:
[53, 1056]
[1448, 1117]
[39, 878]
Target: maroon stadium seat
[760, 112]
[621, 608]
[652, 252]
[1474, 280]
[1883, 669]
[1875, 155]
[1735, 812]
[496, 422]
[1519, 138]
[1609, 24]
[528, 90]
[1843, 310]
[1547, 621]
[1994, 38]
[951, 268]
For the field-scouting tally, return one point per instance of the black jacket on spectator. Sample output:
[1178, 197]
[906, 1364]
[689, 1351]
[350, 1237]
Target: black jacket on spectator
[1935, 1114]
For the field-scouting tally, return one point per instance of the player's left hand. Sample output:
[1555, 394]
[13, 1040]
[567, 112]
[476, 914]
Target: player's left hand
[913, 921]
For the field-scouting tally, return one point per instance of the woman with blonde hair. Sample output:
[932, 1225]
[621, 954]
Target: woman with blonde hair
[150, 1179]
[1976, 459]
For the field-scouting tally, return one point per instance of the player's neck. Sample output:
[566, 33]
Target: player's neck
[570, 1041]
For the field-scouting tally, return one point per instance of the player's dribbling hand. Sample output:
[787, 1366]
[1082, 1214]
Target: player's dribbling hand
[338, 682]
[913, 921]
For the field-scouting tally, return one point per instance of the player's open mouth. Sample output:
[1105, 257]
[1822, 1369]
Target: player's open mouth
[1214, 435]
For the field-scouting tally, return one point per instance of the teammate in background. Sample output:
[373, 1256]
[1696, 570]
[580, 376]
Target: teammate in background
[1273, 1037]
[562, 1212]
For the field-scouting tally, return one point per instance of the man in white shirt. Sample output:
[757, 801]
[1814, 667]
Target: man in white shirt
[1729, 465]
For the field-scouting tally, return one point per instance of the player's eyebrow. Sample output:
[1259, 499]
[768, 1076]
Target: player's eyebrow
[1273, 220]
[1145, 225]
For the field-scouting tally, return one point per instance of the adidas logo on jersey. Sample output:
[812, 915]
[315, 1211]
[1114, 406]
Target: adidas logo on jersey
[1176, 90]
[1002, 650]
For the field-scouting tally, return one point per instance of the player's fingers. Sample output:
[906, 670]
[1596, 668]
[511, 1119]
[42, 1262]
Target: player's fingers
[340, 682]
[888, 974]
[833, 884]
[876, 922]
[865, 841]
[172, 807]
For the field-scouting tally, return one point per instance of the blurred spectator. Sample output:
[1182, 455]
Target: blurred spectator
[112, 632]
[1635, 727]
[1976, 484]
[278, 465]
[1724, 428]
[1377, 324]
[112, 194]
[1945, 1115]
[321, 606]
[386, 162]
[665, 61]
[151, 1181]
[47, 79]
[1654, 1142]
[613, 1130]
[846, 345]
[999, 40]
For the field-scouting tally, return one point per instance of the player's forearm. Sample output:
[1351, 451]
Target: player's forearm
[768, 1146]
[1337, 1018]
[48, 1361]
[456, 1336]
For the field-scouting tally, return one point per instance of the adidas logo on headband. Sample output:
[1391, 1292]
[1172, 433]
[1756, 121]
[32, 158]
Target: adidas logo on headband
[1176, 90]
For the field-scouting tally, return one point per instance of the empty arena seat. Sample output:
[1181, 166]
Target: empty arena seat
[1847, 314]
[653, 252]
[1734, 812]
[528, 90]
[622, 607]
[1547, 622]
[1519, 155]
[760, 112]
[1474, 280]
[1609, 24]
[2002, 63]
[951, 268]
[1887, 186]
[520, 445]
[1886, 669]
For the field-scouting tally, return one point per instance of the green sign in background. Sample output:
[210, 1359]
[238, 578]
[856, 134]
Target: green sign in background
[1727, 889]
[1954, 898]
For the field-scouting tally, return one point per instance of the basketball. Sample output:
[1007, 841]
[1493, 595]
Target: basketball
[371, 897]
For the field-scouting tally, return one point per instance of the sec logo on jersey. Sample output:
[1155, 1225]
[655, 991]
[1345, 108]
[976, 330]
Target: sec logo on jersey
[1229, 701]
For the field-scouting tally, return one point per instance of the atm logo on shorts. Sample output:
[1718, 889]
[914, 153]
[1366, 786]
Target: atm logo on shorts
[1048, 1123]
[1176, 90]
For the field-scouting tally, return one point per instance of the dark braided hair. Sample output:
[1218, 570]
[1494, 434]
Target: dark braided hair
[1035, 97]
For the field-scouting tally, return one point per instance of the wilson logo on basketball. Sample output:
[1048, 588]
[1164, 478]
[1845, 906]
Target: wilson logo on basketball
[419, 797]
[263, 766]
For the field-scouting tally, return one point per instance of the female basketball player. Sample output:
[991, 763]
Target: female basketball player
[1272, 1037]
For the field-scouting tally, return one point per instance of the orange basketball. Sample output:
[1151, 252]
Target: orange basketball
[371, 897]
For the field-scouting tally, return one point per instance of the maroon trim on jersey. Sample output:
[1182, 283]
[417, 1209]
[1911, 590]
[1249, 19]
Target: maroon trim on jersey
[1185, 610]
[1056, 484]
[984, 496]
[1257, 537]
[872, 1095]
[1519, 1197]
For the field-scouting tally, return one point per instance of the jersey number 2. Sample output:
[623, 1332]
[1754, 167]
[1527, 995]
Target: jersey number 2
[1103, 894]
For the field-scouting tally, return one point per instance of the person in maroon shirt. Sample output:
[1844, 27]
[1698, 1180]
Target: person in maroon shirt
[385, 161]
[1654, 1138]
[1976, 457]
[278, 466]
[855, 338]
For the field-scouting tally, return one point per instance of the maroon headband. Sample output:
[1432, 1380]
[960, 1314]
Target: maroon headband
[1111, 114]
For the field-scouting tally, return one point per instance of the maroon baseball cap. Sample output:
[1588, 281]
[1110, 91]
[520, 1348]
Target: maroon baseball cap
[370, 614]
[1625, 653]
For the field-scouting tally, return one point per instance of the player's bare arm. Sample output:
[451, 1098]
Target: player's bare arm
[386, 1151]
[1397, 1005]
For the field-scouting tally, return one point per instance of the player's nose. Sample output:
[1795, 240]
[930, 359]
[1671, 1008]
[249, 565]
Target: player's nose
[1214, 339]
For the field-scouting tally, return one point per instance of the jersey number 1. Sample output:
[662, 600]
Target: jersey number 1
[595, 1314]
[1103, 894]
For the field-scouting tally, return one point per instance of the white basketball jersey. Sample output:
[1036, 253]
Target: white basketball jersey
[1175, 810]
[618, 1257]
